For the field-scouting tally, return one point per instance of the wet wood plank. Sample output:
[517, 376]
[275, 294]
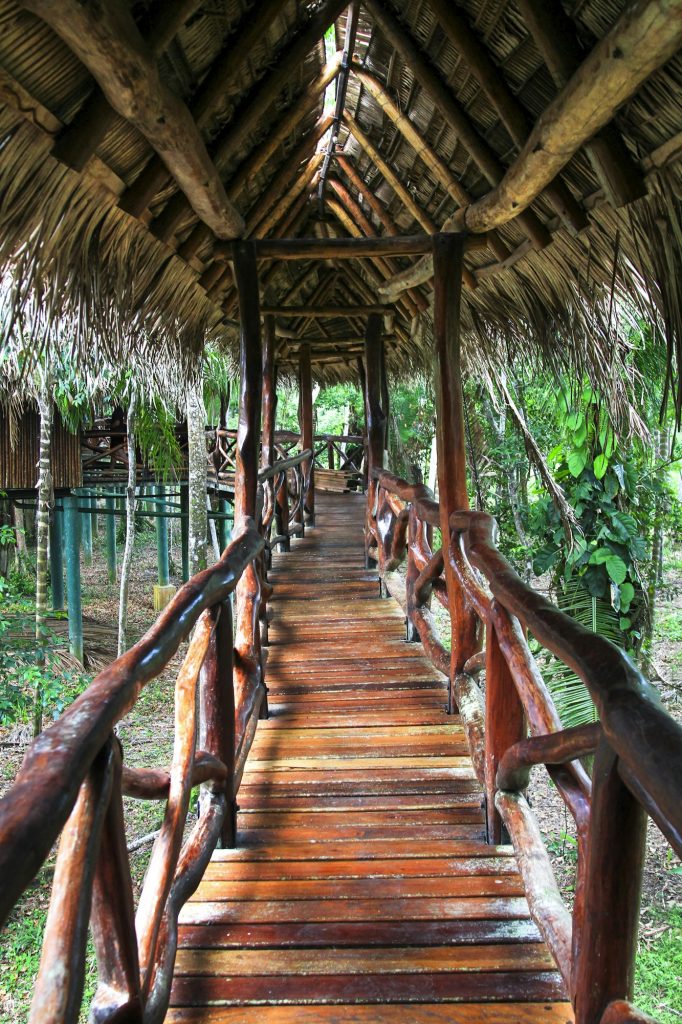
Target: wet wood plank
[362, 889]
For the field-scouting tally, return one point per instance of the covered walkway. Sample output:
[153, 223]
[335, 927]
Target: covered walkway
[362, 875]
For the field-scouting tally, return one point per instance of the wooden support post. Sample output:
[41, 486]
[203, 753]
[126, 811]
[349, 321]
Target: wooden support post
[163, 591]
[605, 940]
[375, 417]
[248, 669]
[184, 530]
[362, 377]
[110, 520]
[86, 527]
[305, 420]
[216, 696]
[450, 434]
[504, 724]
[72, 537]
[269, 413]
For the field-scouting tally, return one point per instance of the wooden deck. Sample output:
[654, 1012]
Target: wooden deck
[362, 876]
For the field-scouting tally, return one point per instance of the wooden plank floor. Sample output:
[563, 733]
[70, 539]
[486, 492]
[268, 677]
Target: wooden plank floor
[362, 889]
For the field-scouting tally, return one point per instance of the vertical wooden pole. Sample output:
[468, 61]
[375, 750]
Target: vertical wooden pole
[86, 526]
[606, 942]
[450, 434]
[72, 532]
[504, 724]
[223, 523]
[110, 520]
[57, 559]
[385, 398]
[269, 412]
[375, 417]
[305, 419]
[248, 668]
[216, 695]
[362, 377]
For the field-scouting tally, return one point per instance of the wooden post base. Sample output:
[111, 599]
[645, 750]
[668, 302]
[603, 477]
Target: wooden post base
[162, 596]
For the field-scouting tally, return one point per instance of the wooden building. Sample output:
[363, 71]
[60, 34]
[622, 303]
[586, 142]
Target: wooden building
[341, 192]
[19, 449]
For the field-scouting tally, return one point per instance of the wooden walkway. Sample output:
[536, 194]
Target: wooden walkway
[362, 877]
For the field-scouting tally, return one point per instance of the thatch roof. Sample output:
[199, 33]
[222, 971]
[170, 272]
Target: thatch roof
[439, 99]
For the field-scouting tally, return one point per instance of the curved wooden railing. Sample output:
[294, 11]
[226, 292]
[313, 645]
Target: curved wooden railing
[332, 451]
[73, 780]
[285, 488]
[637, 745]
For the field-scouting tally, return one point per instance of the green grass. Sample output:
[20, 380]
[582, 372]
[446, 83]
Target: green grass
[658, 975]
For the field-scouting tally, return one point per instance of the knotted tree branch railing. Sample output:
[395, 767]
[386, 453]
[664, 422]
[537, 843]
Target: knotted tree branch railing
[637, 745]
[73, 780]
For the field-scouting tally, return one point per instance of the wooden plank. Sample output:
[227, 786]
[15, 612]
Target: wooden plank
[343, 988]
[396, 1013]
[430, 867]
[221, 889]
[249, 963]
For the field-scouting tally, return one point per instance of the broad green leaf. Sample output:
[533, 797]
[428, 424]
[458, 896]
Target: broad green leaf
[577, 461]
[624, 622]
[616, 568]
[600, 556]
[600, 465]
[580, 434]
[627, 592]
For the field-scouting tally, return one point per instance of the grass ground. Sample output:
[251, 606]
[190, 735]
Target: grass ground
[147, 738]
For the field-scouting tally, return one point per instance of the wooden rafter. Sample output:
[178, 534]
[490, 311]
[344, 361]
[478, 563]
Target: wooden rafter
[450, 108]
[252, 108]
[109, 43]
[79, 140]
[509, 109]
[555, 36]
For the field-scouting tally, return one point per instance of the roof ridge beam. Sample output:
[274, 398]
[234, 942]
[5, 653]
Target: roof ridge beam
[451, 110]
[108, 42]
[509, 109]
[555, 36]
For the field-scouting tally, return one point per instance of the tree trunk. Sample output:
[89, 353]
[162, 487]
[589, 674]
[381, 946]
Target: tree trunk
[655, 567]
[21, 549]
[45, 500]
[196, 465]
[130, 527]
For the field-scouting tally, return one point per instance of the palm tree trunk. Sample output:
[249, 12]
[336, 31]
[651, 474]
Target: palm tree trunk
[130, 527]
[196, 466]
[45, 501]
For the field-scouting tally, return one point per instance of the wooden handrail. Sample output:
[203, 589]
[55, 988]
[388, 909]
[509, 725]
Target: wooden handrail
[638, 761]
[646, 738]
[35, 809]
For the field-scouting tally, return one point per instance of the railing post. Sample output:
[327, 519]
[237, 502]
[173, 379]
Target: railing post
[217, 733]
[605, 941]
[375, 418]
[269, 410]
[450, 433]
[248, 670]
[305, 419]
[504, 722]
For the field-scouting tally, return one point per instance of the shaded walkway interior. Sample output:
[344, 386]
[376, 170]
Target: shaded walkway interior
[362, 876]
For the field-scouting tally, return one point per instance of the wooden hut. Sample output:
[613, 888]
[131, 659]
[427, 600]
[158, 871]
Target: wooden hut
[19, 449]
[356, 191]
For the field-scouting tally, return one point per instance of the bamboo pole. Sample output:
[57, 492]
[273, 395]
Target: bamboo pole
[108, 42]
[110, 529]
[130, 528]
[389, 174]
[57, 559]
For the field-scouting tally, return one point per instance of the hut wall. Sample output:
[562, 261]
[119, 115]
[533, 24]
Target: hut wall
[19, 461]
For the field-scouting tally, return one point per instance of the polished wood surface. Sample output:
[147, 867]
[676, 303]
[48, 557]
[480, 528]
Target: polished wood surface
[361, 875]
